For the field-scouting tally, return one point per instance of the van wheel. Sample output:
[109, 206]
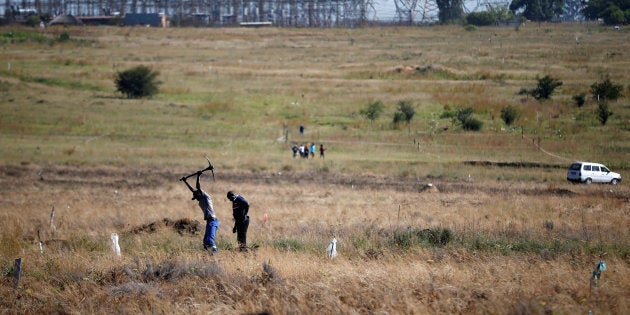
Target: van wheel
[614, 181]
[588, 181]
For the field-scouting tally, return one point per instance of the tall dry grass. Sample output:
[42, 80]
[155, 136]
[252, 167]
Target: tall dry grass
[515, 247]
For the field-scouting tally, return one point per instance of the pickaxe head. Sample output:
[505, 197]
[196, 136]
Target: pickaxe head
[210, 167]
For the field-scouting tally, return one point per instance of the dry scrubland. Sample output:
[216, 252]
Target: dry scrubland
[488, 239]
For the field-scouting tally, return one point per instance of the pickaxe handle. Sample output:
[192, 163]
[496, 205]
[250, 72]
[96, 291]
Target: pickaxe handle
[209, 168]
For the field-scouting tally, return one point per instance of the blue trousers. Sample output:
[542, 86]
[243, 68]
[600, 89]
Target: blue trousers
[211, 231]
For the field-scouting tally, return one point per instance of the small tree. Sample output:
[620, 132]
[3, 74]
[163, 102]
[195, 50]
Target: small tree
[606, 90]
[373, 111]
[603, 113]
[406, 111]
[546, 86]
[137, 82]
[509, 114]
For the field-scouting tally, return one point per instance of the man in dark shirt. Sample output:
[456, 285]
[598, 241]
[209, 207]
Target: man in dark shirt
[240, 207]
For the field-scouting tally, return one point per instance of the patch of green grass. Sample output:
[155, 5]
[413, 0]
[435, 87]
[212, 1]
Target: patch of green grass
[20, 36]
[291, 245]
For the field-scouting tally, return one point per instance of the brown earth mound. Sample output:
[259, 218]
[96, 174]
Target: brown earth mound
[182, 226]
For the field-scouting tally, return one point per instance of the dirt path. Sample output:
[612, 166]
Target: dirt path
[122, 177]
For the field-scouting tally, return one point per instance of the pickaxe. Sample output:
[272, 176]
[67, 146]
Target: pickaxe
[209, 168]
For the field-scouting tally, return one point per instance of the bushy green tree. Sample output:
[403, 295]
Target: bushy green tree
[482, 18]
[546, 86]
[613, 15]
[450, 10]
[611, 11]
[407, 109]
[404, 112]
[538, 10]
[373, 111]
[606, 89]
[137, 82]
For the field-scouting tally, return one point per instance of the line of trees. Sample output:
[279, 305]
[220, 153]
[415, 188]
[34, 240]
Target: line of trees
[612, 12]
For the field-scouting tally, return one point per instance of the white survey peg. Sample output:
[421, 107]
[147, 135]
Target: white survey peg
[115, 246]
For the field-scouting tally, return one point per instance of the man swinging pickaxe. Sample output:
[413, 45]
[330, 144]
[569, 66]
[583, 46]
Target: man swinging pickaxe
[205, 203]
[209, 168]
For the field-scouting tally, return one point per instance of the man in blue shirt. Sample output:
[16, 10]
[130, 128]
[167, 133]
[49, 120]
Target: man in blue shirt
[240, 207]
[212, 222]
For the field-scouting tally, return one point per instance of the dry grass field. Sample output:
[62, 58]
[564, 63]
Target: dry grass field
[499, 232]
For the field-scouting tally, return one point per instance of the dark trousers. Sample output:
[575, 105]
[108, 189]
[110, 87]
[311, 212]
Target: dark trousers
[241, 233]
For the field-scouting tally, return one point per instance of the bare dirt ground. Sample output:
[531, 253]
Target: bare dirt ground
[121, 178]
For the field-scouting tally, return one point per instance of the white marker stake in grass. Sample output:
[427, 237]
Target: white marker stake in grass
[332, 249]
[115, 246]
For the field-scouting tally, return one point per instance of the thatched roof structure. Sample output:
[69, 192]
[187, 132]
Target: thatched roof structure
[65, 19]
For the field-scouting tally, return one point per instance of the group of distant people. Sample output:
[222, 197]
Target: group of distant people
[304, 151]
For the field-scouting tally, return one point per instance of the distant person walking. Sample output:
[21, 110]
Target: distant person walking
[295, 151]
[212, 222]
[240, 208]
[321, 150]
[301, 149]
[301, 129]
[312, 150]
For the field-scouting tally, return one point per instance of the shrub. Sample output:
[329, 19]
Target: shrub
[137, 82]
[470, 28]
[436, 236]
[64, 37]
[32, 20]
[398, 118]
[603, 113]
[463, 114]
[483, 18]
[472, 124]
[546, 86]
[579, 99]
[509, 114]
[447, 113]
[606, 89]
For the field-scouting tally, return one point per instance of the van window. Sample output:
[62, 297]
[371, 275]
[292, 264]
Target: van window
[604, 169]
[595, 168]
[575, 166]
[587, 167]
